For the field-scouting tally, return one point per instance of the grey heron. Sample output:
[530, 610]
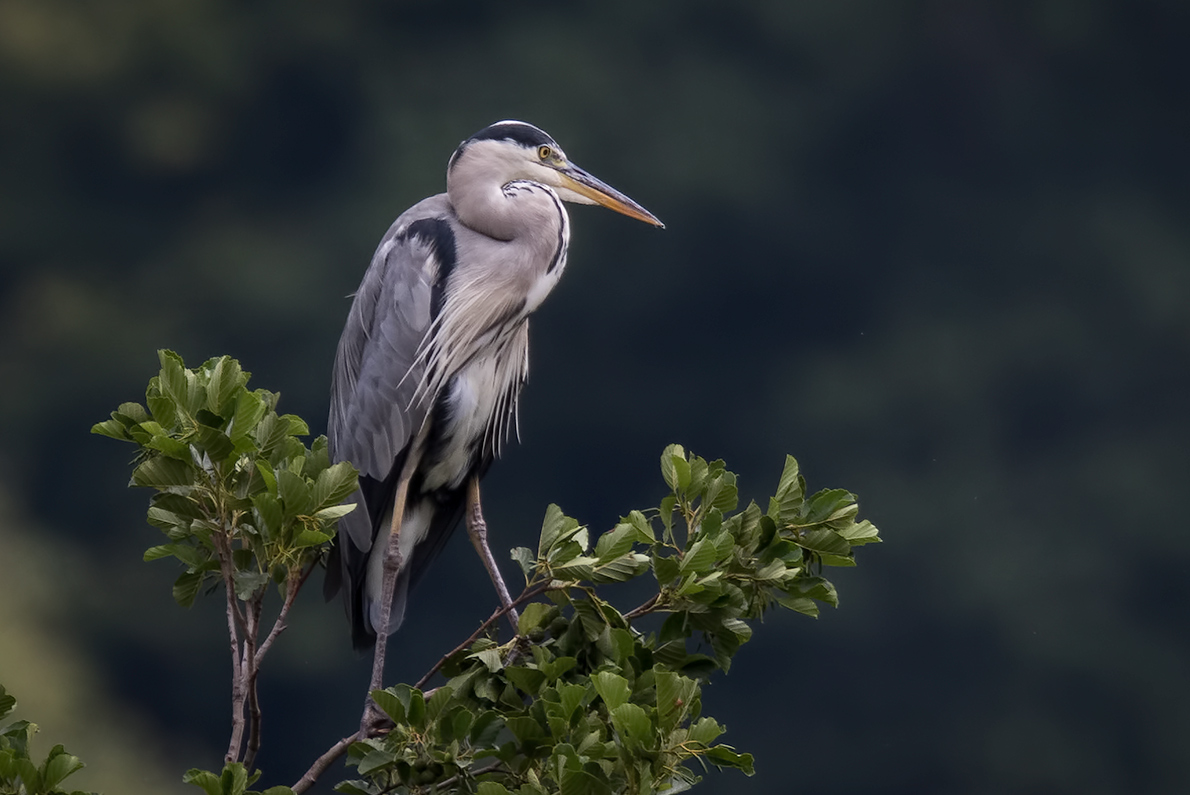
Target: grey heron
[433, 358]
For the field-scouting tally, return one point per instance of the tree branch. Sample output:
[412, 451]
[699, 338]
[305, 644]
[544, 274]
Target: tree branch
[647, 607]
[251, 668]
[234, 618]
[291, 593]
[525, 596]
[323, 762]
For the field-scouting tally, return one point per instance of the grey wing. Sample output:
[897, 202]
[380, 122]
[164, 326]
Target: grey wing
[376, 375]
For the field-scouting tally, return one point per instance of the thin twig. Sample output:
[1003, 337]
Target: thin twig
[525, 596]
[291, 593]
[323, 762]
[641, 610]
[488, 768]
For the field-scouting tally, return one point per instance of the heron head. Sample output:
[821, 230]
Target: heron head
[511, 150]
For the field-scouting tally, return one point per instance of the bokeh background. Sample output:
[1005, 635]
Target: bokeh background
[938, 250]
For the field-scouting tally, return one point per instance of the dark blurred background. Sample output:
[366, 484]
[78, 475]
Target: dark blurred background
[939, 251]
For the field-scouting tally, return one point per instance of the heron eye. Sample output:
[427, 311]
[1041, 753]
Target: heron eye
[544, 152]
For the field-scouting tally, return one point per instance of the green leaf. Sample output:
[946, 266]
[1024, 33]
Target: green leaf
[187, 586]
[491, 788]
[227, 379]
[490, 658]
[725, 756]
[553, 527]
[644, 530]
[615, 542]
[58, 765]
[334, 484]
[668, 470]
[163, 551]
[860, 533]
[205, 780]
[533, 615]
[249, 409]
[528, 680]
[699, 557]
[335, 512]
[7, 703]
[268, 514]
[162, 472]
[790, 492]
[248, 583]
[392, 704]
[112, 428]
[824, 541]
[666, 569]
[234, 779]
[612, 688]
[621, 569]
[310, 538]
[705, 731]
[294, 492]
[525, 559]
[633, 725]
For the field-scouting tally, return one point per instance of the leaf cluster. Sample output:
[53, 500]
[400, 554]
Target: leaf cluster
[230, 475]
[583, 701]
[19, 774]
[234, 780]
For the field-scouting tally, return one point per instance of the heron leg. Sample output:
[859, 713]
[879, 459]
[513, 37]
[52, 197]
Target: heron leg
[392, 566]
[477, 529]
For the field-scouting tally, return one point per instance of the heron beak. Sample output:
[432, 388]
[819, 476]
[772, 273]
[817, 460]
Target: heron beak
[599, 192]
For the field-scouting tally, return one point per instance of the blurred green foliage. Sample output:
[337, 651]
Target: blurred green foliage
[19, 774]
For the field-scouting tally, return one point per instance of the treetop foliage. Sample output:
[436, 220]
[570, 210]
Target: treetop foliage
[585, 698]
